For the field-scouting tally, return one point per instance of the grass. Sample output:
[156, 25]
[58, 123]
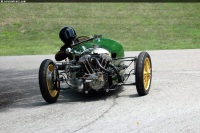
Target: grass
[32, 28]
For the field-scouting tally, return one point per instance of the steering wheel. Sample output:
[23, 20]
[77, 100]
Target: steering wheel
[82, 38]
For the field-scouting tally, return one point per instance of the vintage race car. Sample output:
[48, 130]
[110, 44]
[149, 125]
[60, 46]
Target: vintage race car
[98, 64]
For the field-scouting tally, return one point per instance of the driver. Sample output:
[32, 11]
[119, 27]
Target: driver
[67, 35]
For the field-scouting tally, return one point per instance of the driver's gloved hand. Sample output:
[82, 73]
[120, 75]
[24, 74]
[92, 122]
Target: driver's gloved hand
[68, 50]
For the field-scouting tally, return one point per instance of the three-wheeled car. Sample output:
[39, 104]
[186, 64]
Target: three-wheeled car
[96, 63]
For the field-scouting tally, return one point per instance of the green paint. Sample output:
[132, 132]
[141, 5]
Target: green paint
[108, 44]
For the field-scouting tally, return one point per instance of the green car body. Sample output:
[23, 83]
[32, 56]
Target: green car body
[112, 46]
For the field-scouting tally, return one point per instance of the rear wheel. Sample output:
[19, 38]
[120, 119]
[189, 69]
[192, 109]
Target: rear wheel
[49, 85]
[143, 73]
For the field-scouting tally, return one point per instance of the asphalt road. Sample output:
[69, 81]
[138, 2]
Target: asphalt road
[173, 104]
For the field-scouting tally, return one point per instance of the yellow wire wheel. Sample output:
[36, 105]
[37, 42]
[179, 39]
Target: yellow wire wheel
[49, 85]
[143, 73]
[147, 73]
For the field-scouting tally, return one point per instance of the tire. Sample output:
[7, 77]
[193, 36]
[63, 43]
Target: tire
[143, 73]
[48, 87]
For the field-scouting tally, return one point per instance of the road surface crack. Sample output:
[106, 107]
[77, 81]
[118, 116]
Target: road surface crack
[101, 116]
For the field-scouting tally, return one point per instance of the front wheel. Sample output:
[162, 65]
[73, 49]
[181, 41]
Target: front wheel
[143, 73]
[48, 81]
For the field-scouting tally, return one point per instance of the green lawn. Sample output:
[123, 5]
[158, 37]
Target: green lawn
[32, 28]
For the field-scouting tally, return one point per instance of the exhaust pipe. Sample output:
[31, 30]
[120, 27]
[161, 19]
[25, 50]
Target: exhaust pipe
[107, 71]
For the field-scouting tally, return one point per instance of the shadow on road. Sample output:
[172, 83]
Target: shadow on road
[73, 96]
[22, 91]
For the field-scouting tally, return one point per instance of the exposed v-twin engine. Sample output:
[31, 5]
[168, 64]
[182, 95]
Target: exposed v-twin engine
[91, 75]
